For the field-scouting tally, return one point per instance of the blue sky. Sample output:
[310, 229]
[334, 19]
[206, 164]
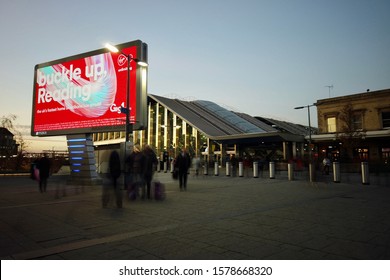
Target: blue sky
[259, 57]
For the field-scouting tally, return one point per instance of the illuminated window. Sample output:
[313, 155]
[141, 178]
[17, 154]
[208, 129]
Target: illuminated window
[361, 154]
[331, 124]
[385, 155]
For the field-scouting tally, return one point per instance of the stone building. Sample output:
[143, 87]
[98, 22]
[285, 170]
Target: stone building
[355, 128]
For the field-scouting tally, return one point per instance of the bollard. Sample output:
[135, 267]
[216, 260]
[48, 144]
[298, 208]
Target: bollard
[255, 169]
[241, 169]
[159, 166]
[272, 170]
[365, 174]
[227, 168]
[172, 166]
[290, 171]
[165, 166]
[336, 172]
[216, 169]
[205, 169]
[312, 172]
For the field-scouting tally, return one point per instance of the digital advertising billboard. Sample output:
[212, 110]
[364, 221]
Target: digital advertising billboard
[84, 93]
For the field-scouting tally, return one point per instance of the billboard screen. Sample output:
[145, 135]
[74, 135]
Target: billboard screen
[84, 93]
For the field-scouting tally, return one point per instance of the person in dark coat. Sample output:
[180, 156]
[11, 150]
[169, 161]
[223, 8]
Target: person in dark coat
[44, 172]
[113, 173]
[183, 163]
[150, 162]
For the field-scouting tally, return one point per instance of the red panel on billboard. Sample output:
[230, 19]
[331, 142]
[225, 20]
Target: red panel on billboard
[84, 93]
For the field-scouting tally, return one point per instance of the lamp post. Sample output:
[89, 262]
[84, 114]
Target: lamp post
[311, 169]
[128, 128]
[126, 110]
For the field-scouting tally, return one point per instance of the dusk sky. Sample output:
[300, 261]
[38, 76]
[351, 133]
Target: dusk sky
[259, 57]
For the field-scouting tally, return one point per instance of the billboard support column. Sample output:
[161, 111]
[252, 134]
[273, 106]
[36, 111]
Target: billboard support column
[82, 160]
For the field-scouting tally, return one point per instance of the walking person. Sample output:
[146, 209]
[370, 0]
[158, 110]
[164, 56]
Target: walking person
[136, 167]
[150, 162]
[114, 172]
[234, 162]
[43, 166]
[326, 166]
[183, 163]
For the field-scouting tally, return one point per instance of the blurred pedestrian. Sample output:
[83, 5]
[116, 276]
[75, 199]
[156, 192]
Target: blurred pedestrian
[326, 165]
[183, 163]
[43, 166]
[196, 165]
[150, 163]
[113, 173]
[136, 167]
[234, 163]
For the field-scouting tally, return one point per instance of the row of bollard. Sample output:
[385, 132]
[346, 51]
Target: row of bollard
[290, 171]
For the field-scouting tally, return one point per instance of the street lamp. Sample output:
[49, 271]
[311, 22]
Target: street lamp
[310, 154]
[128, 128]
[126, 110]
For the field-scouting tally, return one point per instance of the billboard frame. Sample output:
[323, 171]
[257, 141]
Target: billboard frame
[140, 95]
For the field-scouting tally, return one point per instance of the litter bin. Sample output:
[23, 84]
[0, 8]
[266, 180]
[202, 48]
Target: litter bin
[216, 169]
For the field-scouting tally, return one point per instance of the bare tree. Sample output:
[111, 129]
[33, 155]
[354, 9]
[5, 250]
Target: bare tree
[8, 122]
[351, 133]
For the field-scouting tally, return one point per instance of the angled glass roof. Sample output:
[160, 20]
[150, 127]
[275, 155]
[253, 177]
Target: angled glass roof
[229, 117]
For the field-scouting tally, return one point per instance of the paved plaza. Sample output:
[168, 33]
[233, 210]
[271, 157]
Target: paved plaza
[218, 217]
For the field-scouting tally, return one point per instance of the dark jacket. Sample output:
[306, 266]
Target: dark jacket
[136, 163]
[44, 167]
[114, 165]
[183, 162]
[150, 161]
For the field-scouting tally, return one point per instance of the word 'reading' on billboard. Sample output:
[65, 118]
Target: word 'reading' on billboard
[84, 93]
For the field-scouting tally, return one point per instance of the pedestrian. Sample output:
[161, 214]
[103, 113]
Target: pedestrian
[196, 165]
[326, 165]
[136, 167]
[150, 163]
[165, 160]
[44, 172]
[234, 162]
[113, 173]
[183, 163]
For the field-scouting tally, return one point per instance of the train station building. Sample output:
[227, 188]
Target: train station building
[211, 133]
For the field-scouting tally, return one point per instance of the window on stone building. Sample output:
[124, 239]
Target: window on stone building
[357, 121]
[331, 124]
[386, 119]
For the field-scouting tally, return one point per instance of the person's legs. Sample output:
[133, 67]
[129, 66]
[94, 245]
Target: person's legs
[185, 175]
[181, 180]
